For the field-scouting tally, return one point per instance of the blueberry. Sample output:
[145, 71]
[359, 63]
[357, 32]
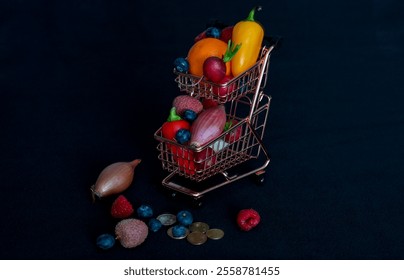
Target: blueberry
[179, 230]
[182, 136]
[213, 32]
[184, 218]
[189, 115]
[144, 211]
[105, 241]
[181, 65]
[154, 225]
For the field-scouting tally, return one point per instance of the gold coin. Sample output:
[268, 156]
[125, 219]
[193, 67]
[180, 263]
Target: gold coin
[170, 233]
[197, 238]
[199, 226]
[215, 233]
[167, 219]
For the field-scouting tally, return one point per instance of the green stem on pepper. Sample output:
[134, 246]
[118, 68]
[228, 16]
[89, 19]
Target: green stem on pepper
[173, 115]
[252, 13]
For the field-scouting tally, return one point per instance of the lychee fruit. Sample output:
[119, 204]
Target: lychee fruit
[186, 102]
[131, 232]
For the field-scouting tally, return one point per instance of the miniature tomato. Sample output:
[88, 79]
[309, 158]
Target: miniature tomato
[173, 124]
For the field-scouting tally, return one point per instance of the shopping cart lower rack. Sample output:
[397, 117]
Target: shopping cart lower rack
[237, 152]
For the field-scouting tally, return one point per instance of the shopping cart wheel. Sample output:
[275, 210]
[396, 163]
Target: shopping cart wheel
[259, 177]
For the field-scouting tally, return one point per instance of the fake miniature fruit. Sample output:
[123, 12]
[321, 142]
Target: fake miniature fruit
[190, 161]
[226, 34]
[181, 65]
[144, 211]
[182, 136]
[184, 158]
[154, 225]
[186, 102]
[212, 32]
[214, 69]
[185, 218]
[209, 124]
[189, 115]
[131, 232]
[250, 35]
[174, 123]
[204, 159]
[121, 208]
[233, 134]
[247, 219]
[225, 87]
[105, 241]
[179, 230]
[115, 178]
[203, 49]
[209, 103]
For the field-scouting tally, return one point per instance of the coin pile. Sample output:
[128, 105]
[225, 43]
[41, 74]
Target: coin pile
[199, 233]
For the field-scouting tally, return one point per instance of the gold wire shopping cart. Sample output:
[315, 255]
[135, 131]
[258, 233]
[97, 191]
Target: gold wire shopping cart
[197, 171]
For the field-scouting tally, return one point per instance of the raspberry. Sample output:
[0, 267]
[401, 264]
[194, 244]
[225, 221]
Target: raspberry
[121, 208]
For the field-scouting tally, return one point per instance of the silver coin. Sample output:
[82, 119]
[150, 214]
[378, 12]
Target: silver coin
[170, 233]
[167, 219]
[199, 226]
[215, 234]
[197, 238]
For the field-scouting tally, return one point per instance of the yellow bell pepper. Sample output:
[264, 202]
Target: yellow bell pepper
[249, 34]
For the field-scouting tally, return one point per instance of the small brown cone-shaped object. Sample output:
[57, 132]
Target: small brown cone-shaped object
[114, 179]
[131, 232]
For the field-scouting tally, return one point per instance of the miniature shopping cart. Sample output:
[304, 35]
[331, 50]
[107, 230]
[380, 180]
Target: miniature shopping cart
[197, 171]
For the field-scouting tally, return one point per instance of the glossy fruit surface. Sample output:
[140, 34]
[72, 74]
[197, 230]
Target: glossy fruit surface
[225, 87]
[182, 136]
[203, 49]
[214, 69]
[181, 65]
[185, 218]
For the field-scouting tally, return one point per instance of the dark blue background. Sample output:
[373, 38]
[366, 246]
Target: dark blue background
[84, 84]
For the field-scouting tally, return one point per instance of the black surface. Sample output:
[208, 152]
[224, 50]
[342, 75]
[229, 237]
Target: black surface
[86, 83]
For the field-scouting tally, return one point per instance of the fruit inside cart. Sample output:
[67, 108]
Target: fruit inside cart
[224, 146]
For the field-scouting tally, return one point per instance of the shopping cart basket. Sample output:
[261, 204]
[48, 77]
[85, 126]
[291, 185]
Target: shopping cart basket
[197, 171]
